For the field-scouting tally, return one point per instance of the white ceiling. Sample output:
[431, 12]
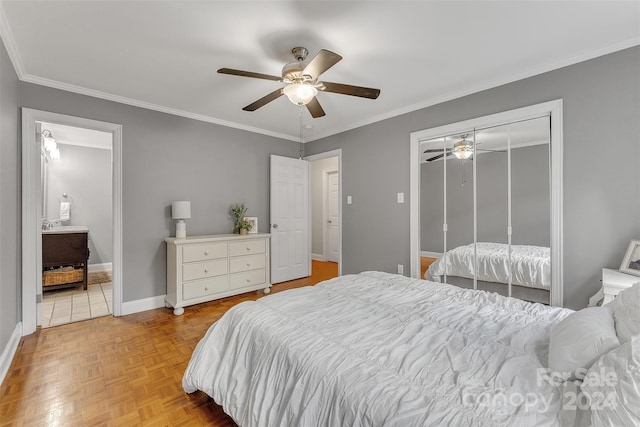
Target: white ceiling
[164, 55]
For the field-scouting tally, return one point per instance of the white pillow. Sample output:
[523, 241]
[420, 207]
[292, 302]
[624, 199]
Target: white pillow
[580, 339]
[612, 385]
[626, 312]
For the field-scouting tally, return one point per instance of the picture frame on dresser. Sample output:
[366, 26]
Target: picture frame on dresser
[631, 261]
[254, 223]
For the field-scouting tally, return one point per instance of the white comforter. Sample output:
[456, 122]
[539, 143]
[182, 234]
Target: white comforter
[377, 349]
[531, 265]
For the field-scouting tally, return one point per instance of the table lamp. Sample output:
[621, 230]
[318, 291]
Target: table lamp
[181, 211]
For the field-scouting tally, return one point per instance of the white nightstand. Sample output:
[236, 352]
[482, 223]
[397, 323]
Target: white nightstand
[613, 281]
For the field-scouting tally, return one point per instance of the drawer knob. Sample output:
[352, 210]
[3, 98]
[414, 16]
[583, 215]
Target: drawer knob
[248, 280]
[248, 265]
[206, 271]
[206, 288]
[248, 249]
[206, 253]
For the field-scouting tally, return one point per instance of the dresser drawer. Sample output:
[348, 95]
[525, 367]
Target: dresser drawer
[200, 270]
[204, 252]
[247, 278]
[247, 247]
[205, 287]
[244, 263]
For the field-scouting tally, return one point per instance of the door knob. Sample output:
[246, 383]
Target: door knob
[329, 221]
[274, 225]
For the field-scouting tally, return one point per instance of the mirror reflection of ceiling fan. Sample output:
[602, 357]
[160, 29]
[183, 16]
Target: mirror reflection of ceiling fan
[461, 150]
[301, 81]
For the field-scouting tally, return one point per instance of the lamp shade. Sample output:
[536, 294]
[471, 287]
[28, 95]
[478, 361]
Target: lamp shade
[181, 210]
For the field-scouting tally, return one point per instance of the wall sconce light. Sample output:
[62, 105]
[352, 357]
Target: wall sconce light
[181, 211]
[50, 144]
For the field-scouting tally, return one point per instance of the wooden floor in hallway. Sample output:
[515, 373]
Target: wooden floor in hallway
[120, 371]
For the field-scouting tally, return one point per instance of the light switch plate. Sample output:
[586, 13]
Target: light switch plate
[400, 197]
[348, 200]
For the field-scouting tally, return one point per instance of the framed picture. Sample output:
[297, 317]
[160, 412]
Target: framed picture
[631, 261]
[254, 224]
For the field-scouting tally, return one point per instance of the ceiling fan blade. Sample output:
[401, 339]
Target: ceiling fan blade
[320, 63]
[264, 100]
[315, 108]
[249, 74]
[436, 150]
[363, 92]
[439, 156]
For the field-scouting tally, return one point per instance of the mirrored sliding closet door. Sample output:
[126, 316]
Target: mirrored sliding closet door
[485, 208]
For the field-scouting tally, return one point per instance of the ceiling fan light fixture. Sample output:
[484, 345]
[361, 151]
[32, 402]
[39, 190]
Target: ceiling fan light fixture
[462, 150]
[300, 93]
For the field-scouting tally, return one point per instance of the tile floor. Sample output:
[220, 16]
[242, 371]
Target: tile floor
[72, 305]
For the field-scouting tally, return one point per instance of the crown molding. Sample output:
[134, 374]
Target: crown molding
[479, 88]
[149, 106]
[10, 44]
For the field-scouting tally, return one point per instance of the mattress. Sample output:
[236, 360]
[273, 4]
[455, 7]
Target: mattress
[530, 265]
[377, 349]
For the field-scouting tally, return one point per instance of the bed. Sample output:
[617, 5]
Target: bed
[531, 269]
[378, 349]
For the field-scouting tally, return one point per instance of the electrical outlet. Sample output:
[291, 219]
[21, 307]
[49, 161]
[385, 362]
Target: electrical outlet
[400, 269]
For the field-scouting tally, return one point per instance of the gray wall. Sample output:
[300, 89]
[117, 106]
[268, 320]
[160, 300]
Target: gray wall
[317, 201]
[10, 220]
[530, 199]
[84, 173]
[601, 168]
[167, 158]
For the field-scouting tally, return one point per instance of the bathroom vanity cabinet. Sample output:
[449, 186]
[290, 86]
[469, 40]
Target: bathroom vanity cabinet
[65, 256]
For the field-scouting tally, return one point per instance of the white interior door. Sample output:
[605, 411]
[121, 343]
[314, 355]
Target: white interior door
[290, 225]
[333, 217]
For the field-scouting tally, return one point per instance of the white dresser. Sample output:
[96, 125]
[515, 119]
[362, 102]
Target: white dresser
[613, 281]
[205, 268]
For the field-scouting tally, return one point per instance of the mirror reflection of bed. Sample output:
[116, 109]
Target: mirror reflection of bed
[486, 219]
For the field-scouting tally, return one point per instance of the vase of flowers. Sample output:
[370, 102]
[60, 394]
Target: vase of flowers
[244, 226]
[237, 212]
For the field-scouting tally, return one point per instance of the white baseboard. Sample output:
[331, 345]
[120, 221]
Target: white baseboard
[10, 351]
[431, 254]
[105, 266]
[144, 304]
[318, 257]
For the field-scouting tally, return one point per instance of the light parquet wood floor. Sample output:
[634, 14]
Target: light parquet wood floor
[425, 262]
[120, 371]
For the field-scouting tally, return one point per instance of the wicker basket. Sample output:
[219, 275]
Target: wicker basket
[61, 276]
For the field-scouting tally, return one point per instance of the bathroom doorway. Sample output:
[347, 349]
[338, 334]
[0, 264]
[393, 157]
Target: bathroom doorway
[77, 223]
[32, 211]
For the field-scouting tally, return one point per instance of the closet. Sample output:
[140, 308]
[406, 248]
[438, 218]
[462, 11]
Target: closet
[485, 194]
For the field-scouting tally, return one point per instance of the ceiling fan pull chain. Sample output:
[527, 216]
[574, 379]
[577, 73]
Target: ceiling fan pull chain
[301, 153]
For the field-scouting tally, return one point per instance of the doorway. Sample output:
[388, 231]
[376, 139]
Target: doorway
[326, 207]
[32, 210]
[76, 199]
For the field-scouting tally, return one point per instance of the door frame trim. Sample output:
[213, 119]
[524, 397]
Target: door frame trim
[325, 210]
[32, 206]
[319, 156]
[554, 110]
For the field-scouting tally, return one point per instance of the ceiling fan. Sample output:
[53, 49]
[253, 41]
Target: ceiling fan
[461, 150]
[301, 81]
